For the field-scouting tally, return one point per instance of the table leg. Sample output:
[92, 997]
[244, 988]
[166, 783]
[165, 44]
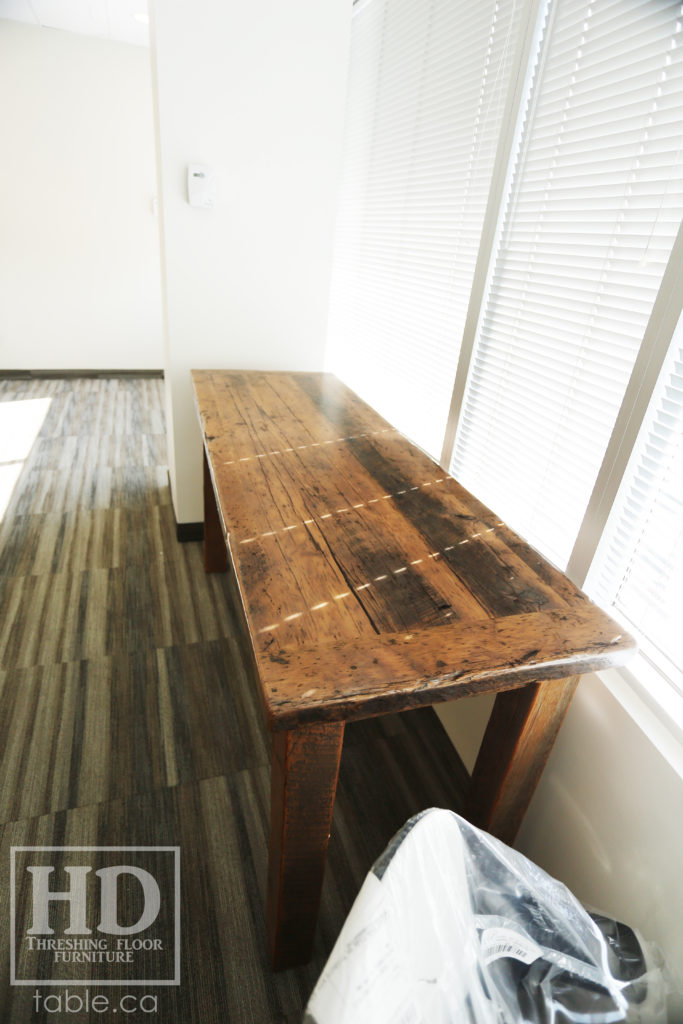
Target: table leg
[518, 739]
[304, 771]
[215, 548]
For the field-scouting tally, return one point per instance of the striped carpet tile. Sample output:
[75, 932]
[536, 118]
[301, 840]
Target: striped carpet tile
[128, 716]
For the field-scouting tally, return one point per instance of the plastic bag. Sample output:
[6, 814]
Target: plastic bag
[451, 925]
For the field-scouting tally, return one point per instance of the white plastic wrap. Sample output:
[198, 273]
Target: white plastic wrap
[453, 926]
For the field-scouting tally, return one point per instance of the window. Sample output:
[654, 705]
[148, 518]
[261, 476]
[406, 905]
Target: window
[638, 570]
[593, 211]
[427, 88]
[521, 283]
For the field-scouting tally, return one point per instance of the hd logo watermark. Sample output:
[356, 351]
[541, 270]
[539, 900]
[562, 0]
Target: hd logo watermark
[96, 915]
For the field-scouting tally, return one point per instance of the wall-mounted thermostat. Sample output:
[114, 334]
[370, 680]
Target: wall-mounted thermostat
[201, 186]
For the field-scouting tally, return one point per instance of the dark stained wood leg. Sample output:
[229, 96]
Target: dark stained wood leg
[514, 750]
[215, 548]
[304, 770]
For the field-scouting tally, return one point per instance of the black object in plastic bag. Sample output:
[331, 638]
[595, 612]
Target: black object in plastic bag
[451, 925]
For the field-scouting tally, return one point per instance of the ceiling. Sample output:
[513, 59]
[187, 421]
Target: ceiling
[106, 19]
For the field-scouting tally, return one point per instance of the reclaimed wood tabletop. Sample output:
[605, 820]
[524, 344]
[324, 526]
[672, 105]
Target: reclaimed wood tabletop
[371, 581]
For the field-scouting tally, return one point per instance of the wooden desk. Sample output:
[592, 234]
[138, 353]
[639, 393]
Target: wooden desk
[371, 581]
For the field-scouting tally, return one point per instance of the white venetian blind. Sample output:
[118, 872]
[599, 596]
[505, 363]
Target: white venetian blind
[639, 565]
[428, 82]
[595, 203]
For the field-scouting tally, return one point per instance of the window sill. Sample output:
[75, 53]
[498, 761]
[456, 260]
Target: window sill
[653, 704]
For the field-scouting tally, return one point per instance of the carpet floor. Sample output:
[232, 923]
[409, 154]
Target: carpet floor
[127, 718]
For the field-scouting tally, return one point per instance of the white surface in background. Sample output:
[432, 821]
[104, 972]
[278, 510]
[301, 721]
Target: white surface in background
[20, 424]
[106, 19]
[79, 260]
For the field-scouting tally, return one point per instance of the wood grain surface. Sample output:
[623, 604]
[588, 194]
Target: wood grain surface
[304, 772]
[517, 742]
[371, 580]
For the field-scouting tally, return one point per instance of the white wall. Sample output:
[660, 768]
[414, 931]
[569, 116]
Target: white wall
[607, 817]
[256, 90]
[79, 254]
